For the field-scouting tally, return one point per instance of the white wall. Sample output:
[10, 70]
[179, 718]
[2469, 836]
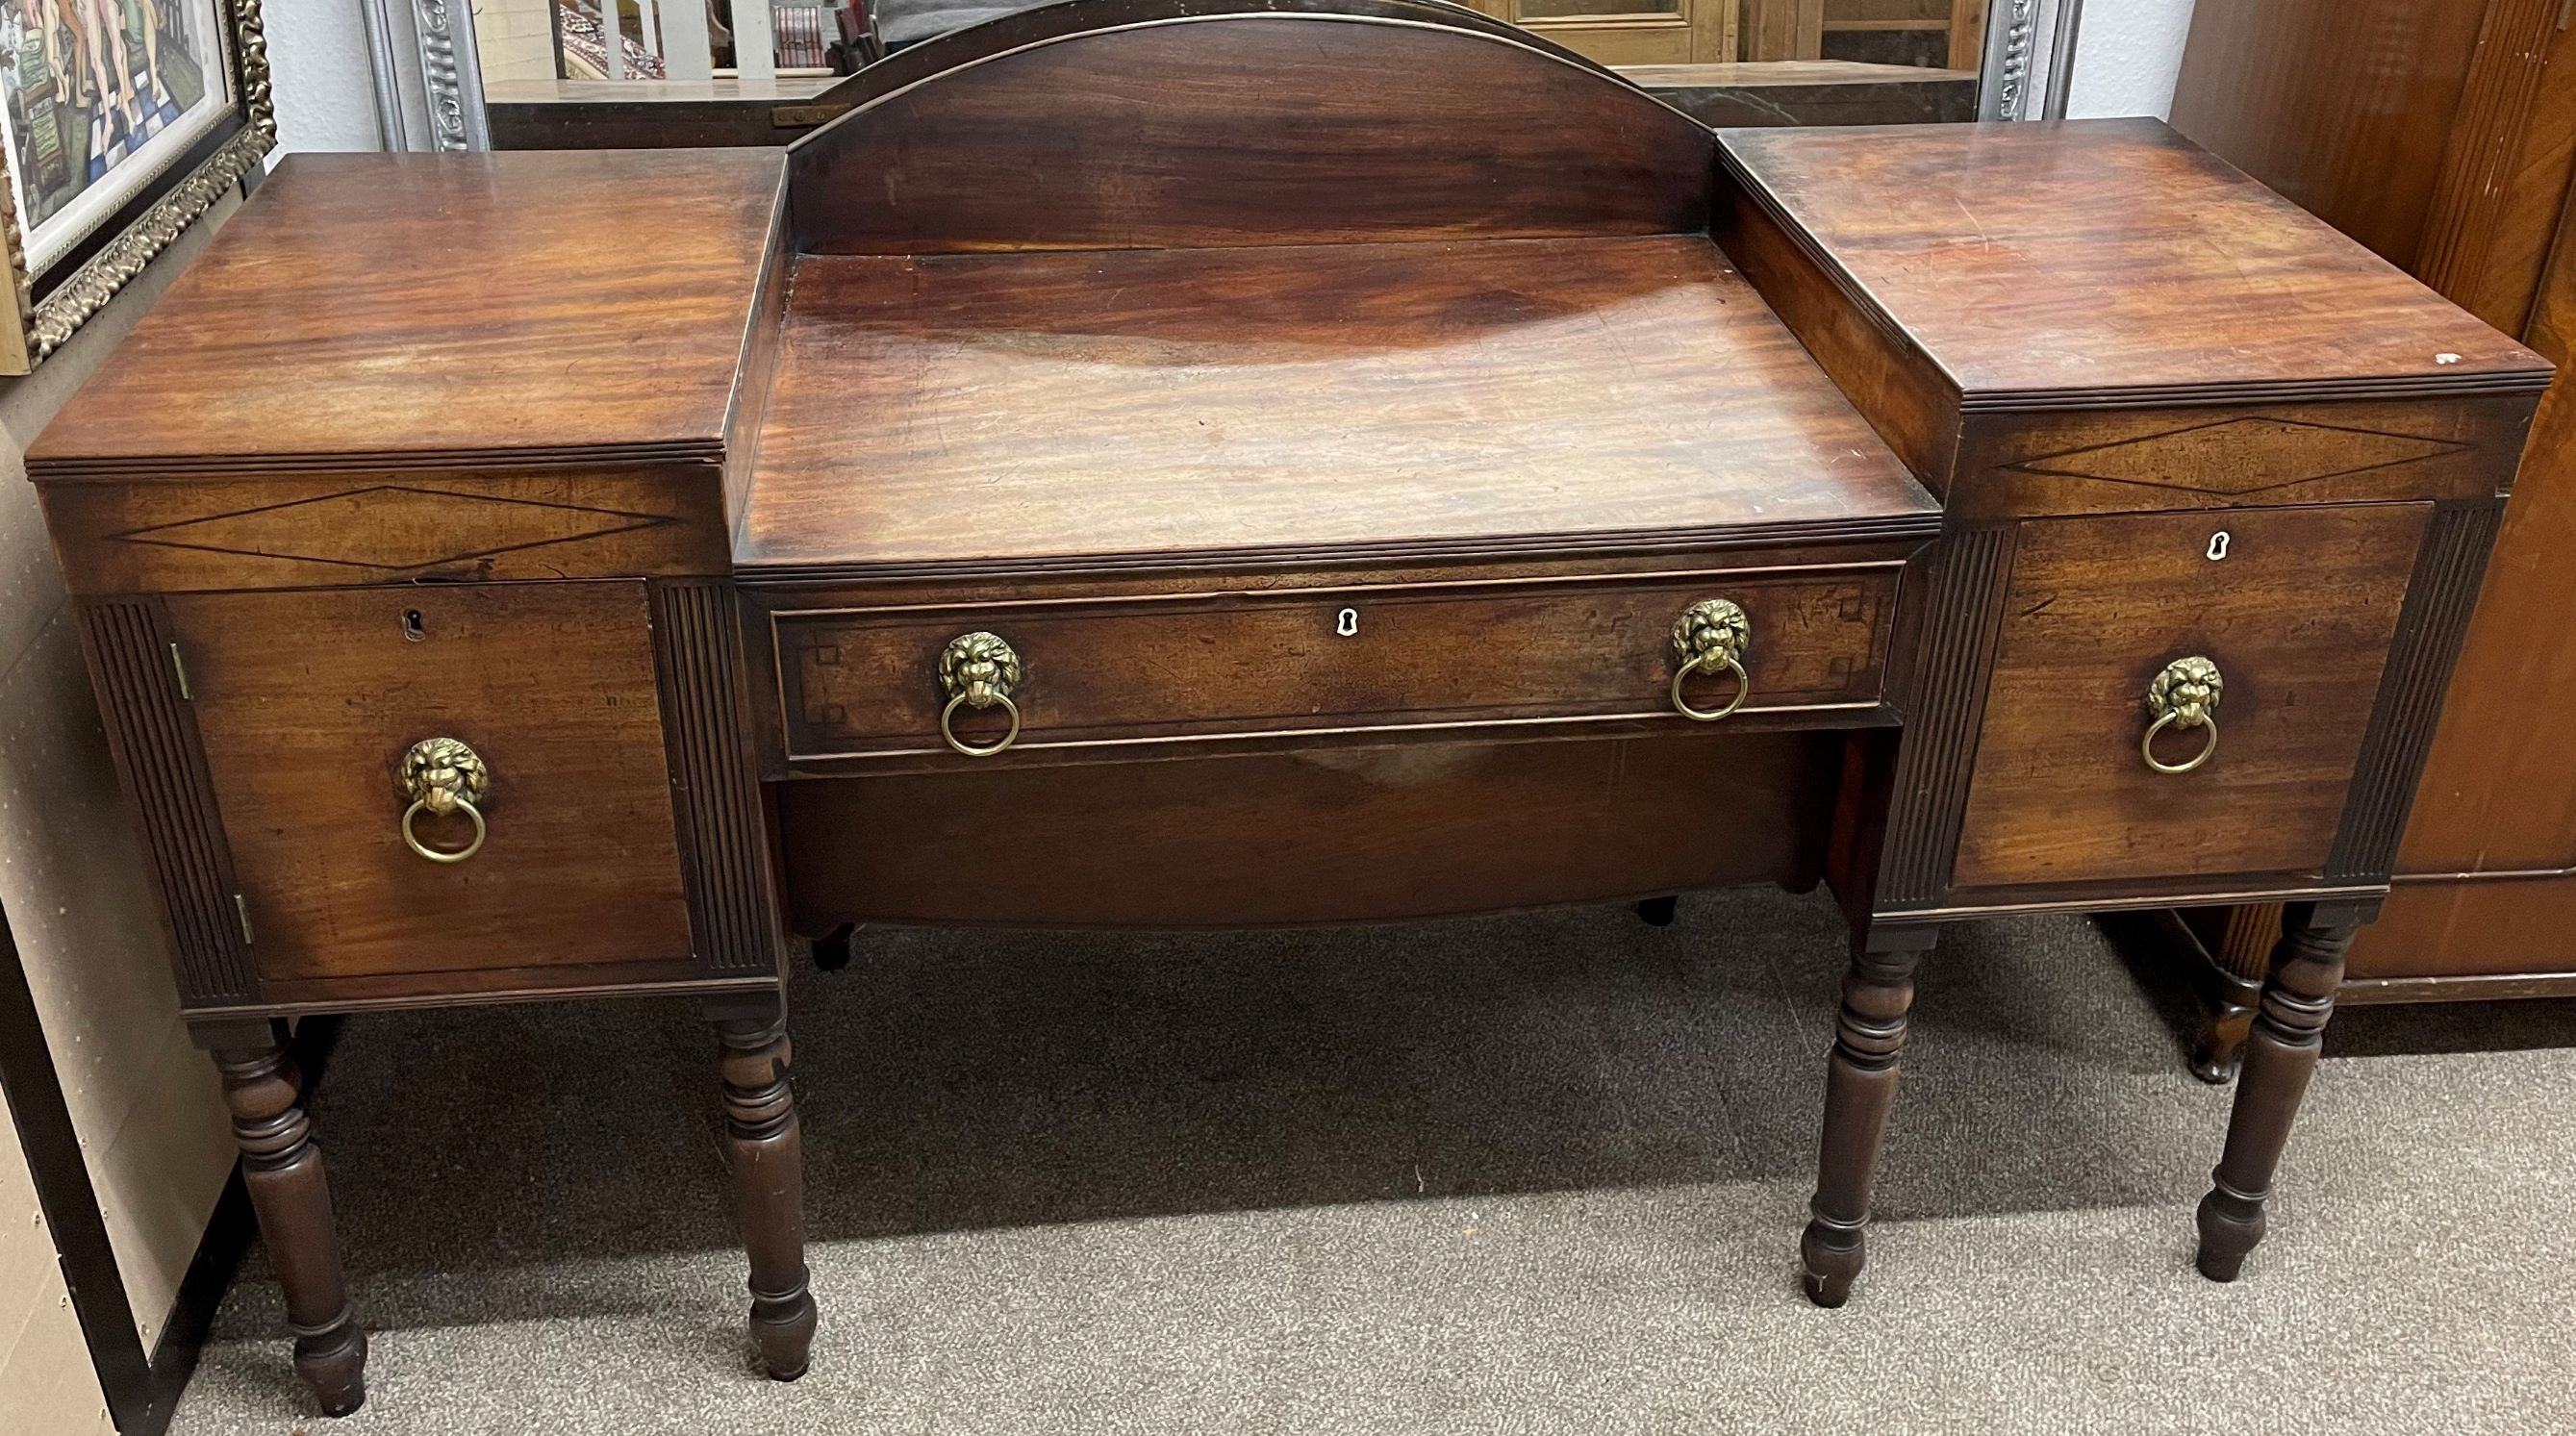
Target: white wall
[2127, 55]
[317, 60]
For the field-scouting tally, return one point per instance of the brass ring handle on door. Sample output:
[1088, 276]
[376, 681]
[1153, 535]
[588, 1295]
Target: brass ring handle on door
[978, 670]
[2183, 696]
[443, 776]
[1711, 636]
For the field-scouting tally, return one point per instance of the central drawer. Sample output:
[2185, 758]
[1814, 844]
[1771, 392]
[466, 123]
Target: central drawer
[1173, 669]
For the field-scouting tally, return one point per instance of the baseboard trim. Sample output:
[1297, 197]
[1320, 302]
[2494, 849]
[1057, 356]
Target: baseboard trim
[2482, 987]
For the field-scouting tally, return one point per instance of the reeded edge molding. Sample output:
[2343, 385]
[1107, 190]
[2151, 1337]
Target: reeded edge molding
[86, 291]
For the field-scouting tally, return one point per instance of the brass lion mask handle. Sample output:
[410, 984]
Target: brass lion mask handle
[2184, 696]
[1711, 636]
[978, 670]
[443, 776]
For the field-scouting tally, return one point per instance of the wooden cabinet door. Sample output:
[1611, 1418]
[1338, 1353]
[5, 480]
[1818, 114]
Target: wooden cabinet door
[2296, 607]
[307, 702]
[1629, 32]
[1935, 34]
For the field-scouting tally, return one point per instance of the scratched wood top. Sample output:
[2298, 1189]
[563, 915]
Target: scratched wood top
[955, 410]
[2087, 259]
[422, 307]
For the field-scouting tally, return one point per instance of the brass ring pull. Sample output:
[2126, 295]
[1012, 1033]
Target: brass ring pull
[1681, 705]
[2207, 747]
[972, 750]
[978, 670]
[442, 776]
[2183, 696]
[1711, 635]
[441, 855]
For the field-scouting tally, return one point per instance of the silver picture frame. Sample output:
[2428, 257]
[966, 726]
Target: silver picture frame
[427, 74]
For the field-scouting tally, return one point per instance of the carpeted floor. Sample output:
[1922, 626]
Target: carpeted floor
[1533, 1174]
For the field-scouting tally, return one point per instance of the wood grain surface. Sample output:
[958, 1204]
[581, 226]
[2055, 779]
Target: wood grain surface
[2221, 456]
[307, 702]
[426, 309]
[2298, 618]
[2111, 260]
[389, 526]
[2438, 135]
[1436, 657]
[1355, 398]
[2332, 102]
[2499, 788]
[977, 43]
[2488, 931]
[1348, 836]
[1250, 129]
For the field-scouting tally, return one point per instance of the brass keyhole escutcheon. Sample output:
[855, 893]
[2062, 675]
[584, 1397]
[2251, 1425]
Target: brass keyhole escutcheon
[1711, 636]
[443, 776]
[2182, 697]
[978, 670]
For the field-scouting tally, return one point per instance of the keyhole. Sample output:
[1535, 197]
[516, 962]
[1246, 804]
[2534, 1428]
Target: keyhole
[1348, 624]
[2218, 546]
[412, 627]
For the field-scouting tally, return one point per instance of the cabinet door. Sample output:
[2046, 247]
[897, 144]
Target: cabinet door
[1935, 34]
[1629, 32]
[2297, 609]
[307, 702]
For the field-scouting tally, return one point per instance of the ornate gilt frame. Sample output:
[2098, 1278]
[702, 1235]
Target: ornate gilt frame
[42, 325]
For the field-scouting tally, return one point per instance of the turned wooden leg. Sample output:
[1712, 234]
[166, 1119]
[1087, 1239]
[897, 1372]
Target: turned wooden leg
[2280, 1056]
[283, 1170]
[1860, 1087]
[2218, 1048]
[769, 1186]
[2224, 961]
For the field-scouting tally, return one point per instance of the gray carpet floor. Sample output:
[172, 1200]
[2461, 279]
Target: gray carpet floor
[1531, 1174]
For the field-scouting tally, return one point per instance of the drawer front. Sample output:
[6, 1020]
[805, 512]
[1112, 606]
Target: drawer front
[2297, 613]
[1440, 657]
[308, 701]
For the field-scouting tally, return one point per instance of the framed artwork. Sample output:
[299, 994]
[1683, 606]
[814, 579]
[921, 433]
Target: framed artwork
[124, 120]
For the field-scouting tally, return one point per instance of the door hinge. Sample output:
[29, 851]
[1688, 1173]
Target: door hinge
[179, 666]
[241, 909]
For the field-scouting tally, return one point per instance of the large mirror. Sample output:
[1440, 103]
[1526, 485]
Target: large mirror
[525, 74]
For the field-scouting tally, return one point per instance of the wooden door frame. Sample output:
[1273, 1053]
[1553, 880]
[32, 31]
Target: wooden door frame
[1712, 25]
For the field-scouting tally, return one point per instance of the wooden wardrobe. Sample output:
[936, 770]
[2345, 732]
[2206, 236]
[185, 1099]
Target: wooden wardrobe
[2441, 133]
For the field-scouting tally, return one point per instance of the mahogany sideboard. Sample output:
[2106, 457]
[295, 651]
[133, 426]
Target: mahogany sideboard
[1211, 467]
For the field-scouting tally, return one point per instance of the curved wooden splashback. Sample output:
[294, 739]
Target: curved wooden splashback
[1038, 23]
[1254, 128]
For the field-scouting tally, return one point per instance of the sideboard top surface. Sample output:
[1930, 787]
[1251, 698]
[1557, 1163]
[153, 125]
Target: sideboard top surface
[426, 308]
[2097, 260]
[1309, 400]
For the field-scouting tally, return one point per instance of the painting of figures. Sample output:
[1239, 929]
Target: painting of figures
[99, 98]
